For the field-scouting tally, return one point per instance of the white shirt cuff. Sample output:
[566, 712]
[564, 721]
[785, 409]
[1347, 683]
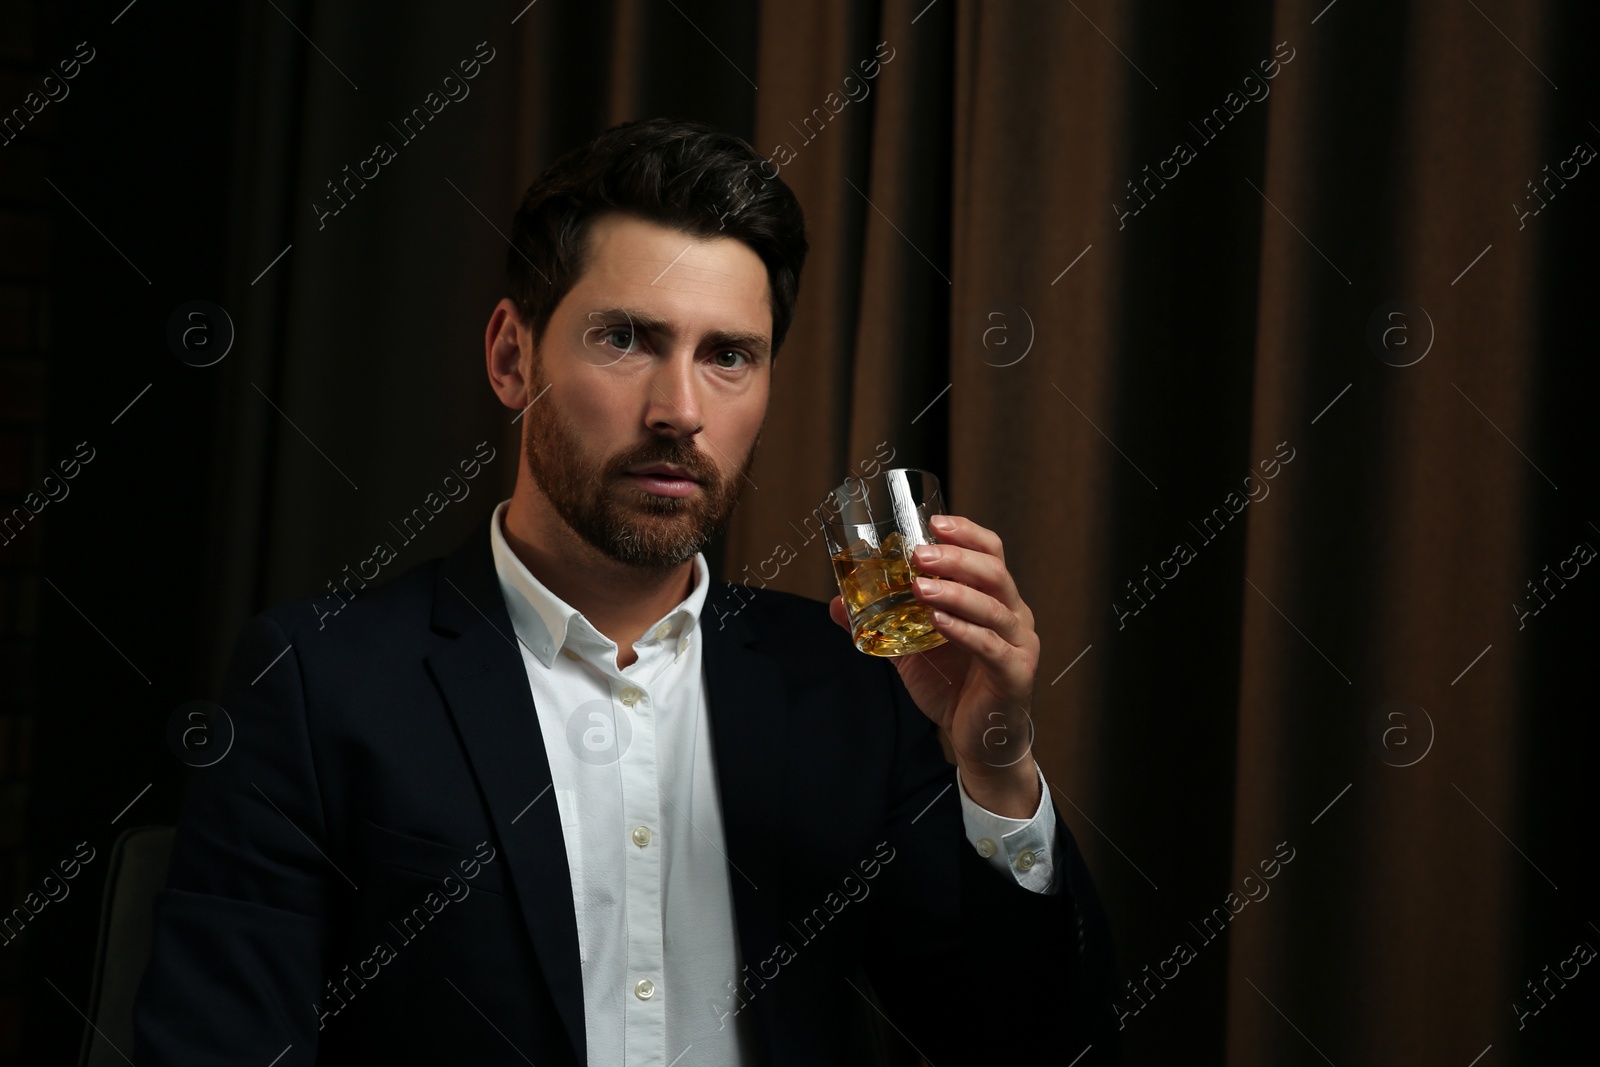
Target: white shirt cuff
[1024, 847]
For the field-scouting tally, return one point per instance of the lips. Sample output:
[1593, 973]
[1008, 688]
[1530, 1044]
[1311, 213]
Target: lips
[665, 471]
[664, 480]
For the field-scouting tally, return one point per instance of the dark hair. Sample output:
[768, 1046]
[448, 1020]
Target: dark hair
[675, 172]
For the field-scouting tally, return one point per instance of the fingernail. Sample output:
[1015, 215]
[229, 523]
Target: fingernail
[926, 553]
[942, 522]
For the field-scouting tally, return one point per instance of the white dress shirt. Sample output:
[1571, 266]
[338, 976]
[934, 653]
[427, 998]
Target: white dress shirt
[632, 775]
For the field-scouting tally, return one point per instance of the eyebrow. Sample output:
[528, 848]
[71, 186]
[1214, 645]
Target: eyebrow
[651, 324]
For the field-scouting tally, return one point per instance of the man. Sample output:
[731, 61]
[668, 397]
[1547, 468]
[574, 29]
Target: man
[559, 798]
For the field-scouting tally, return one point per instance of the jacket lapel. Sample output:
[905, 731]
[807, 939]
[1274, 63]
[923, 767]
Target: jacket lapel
[485, 685]
[749, 721]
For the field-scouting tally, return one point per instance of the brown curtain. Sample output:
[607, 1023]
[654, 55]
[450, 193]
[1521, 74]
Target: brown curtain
[1270, 565]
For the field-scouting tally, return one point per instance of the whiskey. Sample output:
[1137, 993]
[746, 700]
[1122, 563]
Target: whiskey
[886, 618]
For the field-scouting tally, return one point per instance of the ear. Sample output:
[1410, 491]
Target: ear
[503, 343]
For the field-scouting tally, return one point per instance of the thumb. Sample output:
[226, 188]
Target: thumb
[837, 613]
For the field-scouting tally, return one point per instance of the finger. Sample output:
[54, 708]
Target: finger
[968, 534]
[1012, 666]
[973, 606]
[837, 613]
[969, 566]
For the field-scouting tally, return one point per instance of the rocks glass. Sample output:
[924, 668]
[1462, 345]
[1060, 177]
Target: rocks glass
[871, 526]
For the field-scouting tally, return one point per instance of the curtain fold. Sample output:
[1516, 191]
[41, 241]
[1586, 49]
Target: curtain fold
[1033, 309]
[1392, 549]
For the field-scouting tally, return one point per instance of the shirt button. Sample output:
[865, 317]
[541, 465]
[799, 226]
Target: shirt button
[1025, 859]
[641, 836]
[683, 642]
[567, 652]
[661, 631]
[645, 989]
[985, 847]
[630, 696]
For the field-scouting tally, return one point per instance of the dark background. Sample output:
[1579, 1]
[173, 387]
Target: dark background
[1174, 354]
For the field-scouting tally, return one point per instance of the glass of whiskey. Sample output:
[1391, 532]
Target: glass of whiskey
[871, 526]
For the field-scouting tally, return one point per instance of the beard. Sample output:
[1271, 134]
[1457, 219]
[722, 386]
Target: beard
[600, 503]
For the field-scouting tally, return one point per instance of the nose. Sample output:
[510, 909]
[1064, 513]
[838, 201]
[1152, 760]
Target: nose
[673, 406]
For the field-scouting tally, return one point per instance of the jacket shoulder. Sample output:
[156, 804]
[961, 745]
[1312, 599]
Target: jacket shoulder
[402, 601]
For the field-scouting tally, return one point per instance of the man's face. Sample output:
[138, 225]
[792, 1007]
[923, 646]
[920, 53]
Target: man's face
[657, 355]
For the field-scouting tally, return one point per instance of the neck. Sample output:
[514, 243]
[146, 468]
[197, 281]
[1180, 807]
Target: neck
[618, 599]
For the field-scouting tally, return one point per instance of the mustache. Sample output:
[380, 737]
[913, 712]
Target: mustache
[678, 453]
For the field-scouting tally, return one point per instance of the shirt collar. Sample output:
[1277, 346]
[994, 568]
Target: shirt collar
[545, 623]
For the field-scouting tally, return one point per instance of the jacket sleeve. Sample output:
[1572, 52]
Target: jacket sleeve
[971, 966]
[242, 928]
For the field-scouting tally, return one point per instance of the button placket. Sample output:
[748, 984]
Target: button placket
[639, 774]
[627, 796]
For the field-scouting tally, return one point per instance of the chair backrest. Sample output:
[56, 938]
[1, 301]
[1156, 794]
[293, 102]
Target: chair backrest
[136, 873]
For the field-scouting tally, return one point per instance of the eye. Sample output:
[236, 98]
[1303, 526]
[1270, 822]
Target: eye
[626, 331]
[732, 352]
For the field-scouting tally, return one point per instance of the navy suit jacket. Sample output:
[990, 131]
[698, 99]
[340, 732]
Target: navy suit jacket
[368, 875]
